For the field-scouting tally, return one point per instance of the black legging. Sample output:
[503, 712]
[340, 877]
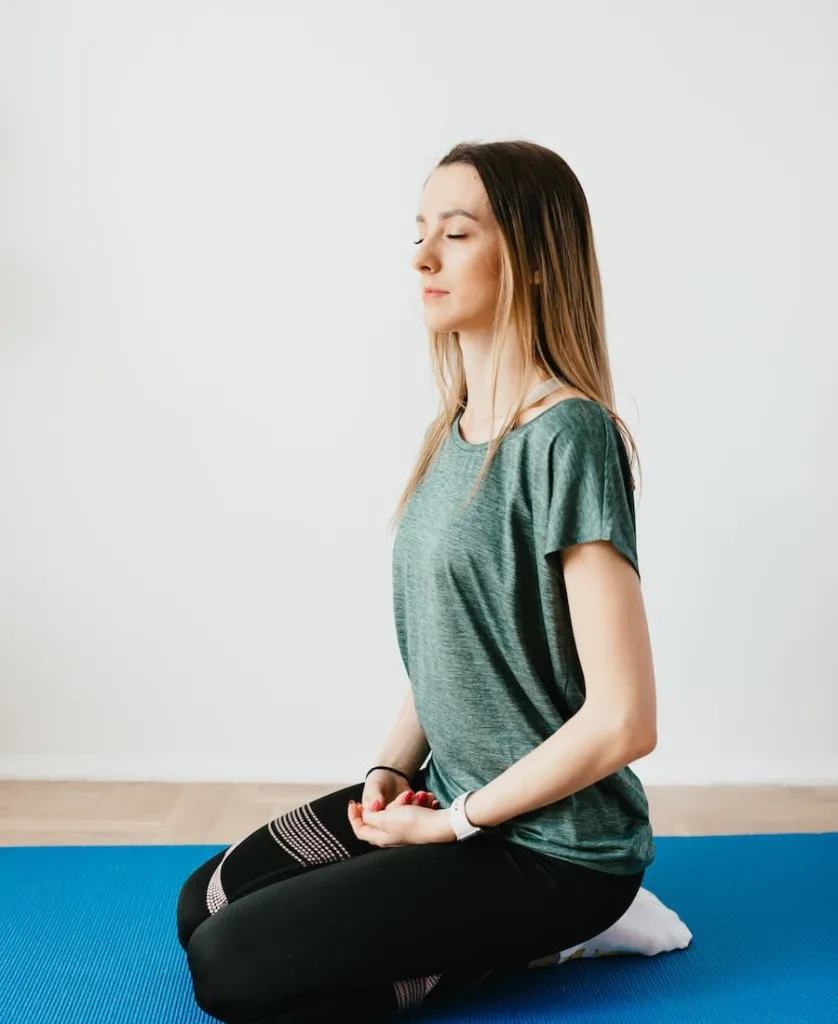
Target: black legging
[301, 921]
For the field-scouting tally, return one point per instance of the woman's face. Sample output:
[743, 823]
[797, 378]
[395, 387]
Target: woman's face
[459, 253]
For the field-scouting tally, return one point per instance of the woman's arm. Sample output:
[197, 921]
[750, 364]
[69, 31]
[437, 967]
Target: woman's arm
[406, 747]
[617, 723]
[584, 750]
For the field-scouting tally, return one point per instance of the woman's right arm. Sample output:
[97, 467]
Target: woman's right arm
[406, 747]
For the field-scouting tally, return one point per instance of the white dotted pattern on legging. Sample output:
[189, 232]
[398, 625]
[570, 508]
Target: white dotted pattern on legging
[305, 838]
[412, 992]
[216, 897]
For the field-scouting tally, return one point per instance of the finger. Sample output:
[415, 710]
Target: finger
[371, 798]
[361, 829]
[379, 820]
[369, 833]
[355, 812]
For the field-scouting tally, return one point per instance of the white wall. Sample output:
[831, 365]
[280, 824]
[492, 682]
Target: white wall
[214, 375]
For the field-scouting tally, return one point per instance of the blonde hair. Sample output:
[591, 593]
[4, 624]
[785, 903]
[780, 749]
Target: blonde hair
[544, 223]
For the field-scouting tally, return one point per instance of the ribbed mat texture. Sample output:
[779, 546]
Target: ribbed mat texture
[87, 936]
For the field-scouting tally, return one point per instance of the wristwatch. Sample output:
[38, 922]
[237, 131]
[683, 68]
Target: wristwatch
[463, 828]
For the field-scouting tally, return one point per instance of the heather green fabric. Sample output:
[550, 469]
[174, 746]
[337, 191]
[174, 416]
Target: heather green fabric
[483, 623]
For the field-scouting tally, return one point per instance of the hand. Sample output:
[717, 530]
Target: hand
[383, 787]
[401, 824]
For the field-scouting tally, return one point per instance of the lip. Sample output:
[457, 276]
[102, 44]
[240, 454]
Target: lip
[432, 293]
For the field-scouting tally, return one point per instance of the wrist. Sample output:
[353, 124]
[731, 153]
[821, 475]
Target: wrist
[393, 771]
[478, 813]
[444, 830]
[462, 825]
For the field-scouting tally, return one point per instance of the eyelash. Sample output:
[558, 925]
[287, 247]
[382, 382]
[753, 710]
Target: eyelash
[447, 236]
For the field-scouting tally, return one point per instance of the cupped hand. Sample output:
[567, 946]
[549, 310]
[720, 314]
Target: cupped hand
[382, 788]
[401, 823]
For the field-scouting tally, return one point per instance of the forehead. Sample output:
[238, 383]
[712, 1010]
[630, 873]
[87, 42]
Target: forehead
[452, 186]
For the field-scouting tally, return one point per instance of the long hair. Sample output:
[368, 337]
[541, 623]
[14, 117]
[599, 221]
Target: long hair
[559, 325]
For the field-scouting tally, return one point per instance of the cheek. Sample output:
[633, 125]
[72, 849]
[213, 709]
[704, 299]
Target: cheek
[480, 272]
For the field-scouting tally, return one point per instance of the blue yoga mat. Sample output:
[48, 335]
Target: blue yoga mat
[87, 936]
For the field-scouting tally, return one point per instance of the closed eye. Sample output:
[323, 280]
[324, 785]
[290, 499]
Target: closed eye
[421, 240]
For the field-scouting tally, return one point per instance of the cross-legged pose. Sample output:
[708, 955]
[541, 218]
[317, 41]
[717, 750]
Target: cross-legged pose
[500, 821]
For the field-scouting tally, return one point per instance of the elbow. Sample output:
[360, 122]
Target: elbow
[634, 737]
[636, 740]
[647, 746]
[639, 727]
[640, 742]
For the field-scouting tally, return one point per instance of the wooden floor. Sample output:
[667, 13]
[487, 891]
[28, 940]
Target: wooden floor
[109, 813]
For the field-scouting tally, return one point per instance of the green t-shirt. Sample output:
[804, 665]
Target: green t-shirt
[483, 622]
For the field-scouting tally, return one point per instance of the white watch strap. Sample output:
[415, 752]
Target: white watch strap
[462, 827]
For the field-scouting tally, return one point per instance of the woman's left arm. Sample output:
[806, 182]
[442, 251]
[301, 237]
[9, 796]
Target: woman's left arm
[617, 724]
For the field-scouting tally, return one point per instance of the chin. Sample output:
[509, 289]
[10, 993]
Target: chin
[441, 323]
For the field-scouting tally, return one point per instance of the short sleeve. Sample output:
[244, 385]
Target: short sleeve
[590, 486]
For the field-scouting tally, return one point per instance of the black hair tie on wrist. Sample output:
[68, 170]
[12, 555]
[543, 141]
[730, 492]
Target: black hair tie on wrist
[387, 768]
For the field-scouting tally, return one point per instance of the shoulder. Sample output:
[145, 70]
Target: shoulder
[580, 435]
[572, 399]
[572, 416]
[557, 397]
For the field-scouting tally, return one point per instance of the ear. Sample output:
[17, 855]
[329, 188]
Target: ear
[536, 278]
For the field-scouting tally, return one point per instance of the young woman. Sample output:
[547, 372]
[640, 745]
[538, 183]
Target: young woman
[521, 623]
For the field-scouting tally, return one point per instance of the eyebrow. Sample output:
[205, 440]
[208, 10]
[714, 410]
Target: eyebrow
[449, 213]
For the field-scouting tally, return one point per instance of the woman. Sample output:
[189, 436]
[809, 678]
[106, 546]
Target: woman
[520, 620]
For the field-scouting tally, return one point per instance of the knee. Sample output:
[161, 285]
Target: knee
[208, 975]
[220, 988]
[191, 911]
[192, 907]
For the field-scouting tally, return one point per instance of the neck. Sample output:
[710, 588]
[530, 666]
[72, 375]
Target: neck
[477, 363]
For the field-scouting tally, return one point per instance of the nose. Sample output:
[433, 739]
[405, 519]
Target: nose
[423, 259]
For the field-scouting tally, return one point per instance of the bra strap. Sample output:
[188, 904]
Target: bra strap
[541, 390]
